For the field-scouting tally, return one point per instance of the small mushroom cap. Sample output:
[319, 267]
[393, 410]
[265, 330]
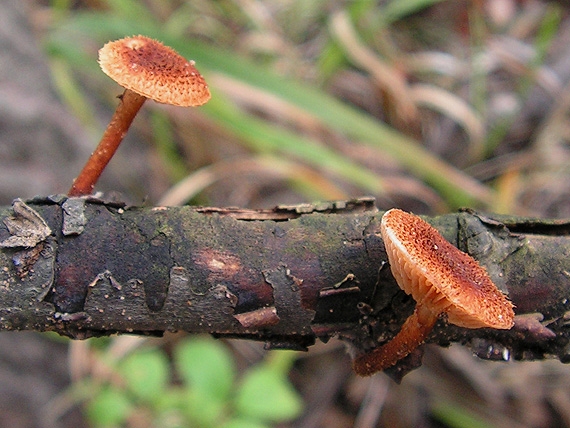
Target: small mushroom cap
[149, 68]
[441, 277]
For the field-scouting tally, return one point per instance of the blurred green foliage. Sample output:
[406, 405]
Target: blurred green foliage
[202, 31]
[204, 389]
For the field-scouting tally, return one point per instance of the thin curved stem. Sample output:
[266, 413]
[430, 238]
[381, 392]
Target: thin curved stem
[411, 335]
[130, 104]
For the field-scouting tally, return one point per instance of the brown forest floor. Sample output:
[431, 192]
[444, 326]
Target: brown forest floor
[42, 145]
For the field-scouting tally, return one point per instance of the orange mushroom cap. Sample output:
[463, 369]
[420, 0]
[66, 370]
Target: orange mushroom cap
[149, 68]
[441, 277]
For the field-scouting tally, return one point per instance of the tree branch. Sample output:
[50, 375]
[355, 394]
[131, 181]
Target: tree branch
[85, 267]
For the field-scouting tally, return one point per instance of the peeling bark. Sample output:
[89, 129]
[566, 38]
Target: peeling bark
[85, 267]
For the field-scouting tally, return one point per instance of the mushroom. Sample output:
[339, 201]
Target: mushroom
[442, 280]
[146, 69]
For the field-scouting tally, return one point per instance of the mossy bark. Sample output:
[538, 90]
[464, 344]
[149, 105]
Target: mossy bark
[84, 267]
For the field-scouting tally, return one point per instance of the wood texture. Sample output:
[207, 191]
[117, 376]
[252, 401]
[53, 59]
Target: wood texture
[285, 276]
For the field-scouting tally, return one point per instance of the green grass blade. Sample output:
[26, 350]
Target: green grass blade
[458, 188]
[267, 138]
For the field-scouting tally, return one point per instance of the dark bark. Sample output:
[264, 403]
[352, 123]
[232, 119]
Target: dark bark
[285, 276]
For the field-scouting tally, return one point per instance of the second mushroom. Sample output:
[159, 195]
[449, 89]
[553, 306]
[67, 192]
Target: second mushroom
[146, 69]
[442, 280]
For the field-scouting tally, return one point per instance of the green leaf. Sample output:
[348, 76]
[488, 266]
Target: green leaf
[457, 417]
[132, 8]
[266, 394]
[146, 373]
[243, 423]
[173, 398]
[281, 361]
[206, 366]
[109, 408]
[398, 9]
[203, 410]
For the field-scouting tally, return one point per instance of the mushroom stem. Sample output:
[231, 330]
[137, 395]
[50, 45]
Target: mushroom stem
[411, 335]
[128, 107]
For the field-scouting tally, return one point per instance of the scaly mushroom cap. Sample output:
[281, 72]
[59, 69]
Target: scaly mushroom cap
[149, 68]
[441, 277]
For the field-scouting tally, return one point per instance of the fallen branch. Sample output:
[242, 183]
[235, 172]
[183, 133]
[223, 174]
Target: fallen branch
[83, 267]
